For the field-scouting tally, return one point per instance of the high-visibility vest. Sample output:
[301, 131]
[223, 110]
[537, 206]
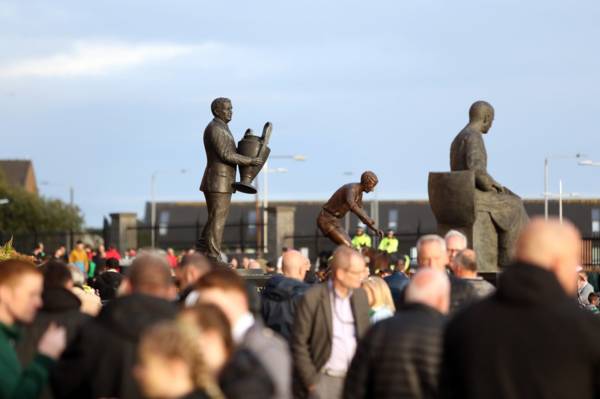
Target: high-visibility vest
[361, 241]
[390, 245]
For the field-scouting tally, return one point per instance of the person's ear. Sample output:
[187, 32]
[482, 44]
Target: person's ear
[125, 287]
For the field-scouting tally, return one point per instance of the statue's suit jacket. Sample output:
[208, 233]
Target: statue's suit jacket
[221, 158]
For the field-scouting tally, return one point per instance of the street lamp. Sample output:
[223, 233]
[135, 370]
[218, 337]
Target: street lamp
[266, 171]
[153, 203]
[546, 162]
[71, 190]
[4, 201]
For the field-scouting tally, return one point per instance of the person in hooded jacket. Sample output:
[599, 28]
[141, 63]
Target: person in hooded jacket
[60, 306]
[99, 362]
[282, 292]
[529, 339]
[108, 280]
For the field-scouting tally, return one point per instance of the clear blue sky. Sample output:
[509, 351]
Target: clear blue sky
[101, 94]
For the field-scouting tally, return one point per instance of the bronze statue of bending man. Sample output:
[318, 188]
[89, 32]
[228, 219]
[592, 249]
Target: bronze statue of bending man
[347, 198]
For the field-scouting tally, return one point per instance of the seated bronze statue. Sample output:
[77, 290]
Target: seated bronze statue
[505, 208]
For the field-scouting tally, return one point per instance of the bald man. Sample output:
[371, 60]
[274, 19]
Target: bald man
[505, 208]
[400, 357]
[331, 318]
[529, 339]
[464, 266]
[282, 293]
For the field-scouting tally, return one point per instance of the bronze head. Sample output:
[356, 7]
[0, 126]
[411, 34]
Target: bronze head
[221, 108]
[368, 180]
[481, 114]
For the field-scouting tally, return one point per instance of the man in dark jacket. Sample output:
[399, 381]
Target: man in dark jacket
[529, 339]
[400, 357]
[282, 293]
[330, 319]
[60, 306]
[398, 280]
[108, 280]
[99, 362]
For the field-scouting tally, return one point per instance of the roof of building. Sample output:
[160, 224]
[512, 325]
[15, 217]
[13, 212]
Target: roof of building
[15, 171]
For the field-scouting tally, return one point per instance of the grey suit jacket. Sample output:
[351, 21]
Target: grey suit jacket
[221, 158]
[313, 325]
[274, 354]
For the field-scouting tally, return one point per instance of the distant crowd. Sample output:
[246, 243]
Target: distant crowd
[94, 323]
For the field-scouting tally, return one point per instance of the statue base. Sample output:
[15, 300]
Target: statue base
[244, 188]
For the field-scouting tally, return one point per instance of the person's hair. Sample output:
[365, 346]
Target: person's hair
[341, 258]
[592, 296]
[112, 263]
[197, 261]
[209, 317]
[426, 285]
[13, 269]
[217, 103]
[466, 259]
[78, 242]
[176, 341]
[380, 292]
[39, 245]
[431, 238]
[77, 275]
[56, 275]
[456, 233]
[368, 177]
[149, 272]
[479, 109]
[223, 279]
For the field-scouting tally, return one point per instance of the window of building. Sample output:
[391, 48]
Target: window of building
[595, 221]
[393, 219]
[252, 222]
[163, 223]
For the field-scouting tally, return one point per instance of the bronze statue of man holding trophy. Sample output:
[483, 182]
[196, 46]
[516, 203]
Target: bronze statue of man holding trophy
[218, 182]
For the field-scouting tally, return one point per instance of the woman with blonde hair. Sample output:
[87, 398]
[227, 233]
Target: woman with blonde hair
[380, 299]
[171, 364]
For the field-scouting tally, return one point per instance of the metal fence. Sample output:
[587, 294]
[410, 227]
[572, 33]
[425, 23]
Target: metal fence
[590, 254]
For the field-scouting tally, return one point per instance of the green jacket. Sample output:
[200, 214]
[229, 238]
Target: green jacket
[390, 245]
[17, 382]
[361, 241]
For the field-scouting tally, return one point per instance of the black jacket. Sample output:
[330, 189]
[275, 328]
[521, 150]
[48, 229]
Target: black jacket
[462, 294]
[244, 377]
[60, 306]
[279, 299]
[399, 357]
[107, 283]
[528, 340]
[99, 362]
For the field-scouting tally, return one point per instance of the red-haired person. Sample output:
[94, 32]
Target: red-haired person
[20, 298]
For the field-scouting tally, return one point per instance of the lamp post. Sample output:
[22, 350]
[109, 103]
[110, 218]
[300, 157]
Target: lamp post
[266, 171]
[153, 204]
[546, 167]
[71, 190]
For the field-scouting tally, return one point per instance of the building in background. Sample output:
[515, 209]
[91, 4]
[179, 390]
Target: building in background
[19, 173]
[179, 224]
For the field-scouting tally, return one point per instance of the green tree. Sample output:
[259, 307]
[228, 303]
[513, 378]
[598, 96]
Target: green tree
[26, 212]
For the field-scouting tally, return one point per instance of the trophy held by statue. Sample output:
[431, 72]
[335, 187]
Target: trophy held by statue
[254, 147]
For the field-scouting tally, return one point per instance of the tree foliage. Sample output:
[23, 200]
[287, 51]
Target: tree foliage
[26, 212]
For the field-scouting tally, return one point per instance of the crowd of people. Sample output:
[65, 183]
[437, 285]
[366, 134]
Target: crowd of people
[183, 327]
